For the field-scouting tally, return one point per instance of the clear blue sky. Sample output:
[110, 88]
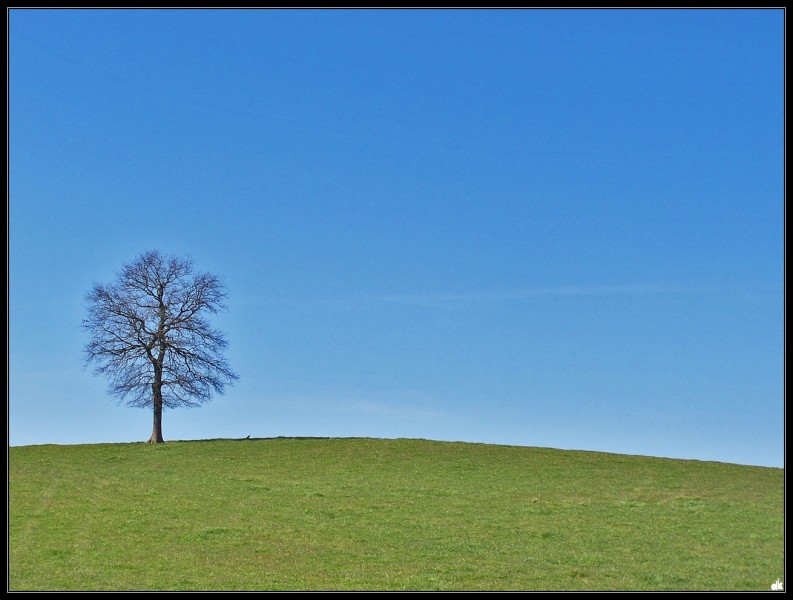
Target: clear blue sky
[553, 228]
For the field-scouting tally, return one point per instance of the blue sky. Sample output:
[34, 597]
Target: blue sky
[558, 228]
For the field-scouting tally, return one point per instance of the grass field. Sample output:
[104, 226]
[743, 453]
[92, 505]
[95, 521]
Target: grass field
[370, 514]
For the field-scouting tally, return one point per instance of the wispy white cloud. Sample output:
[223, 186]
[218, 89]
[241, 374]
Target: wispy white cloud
[477, 297]
[394, 404]
[399, 411]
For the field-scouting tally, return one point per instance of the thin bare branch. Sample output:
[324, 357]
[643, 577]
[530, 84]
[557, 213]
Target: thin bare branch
[149, 336]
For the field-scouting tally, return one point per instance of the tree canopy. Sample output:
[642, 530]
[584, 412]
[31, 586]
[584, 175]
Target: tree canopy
[150, 336]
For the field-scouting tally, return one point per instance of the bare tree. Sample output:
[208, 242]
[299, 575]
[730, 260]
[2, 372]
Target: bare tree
[149, 335]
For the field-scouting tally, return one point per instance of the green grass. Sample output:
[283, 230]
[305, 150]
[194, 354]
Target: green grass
[367, 514]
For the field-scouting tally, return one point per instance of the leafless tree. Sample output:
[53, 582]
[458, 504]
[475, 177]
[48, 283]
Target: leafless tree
[149, 335]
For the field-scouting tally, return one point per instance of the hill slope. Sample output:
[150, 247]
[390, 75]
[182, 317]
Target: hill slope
[338, 514]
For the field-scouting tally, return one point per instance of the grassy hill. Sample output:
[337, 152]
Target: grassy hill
[305, 514]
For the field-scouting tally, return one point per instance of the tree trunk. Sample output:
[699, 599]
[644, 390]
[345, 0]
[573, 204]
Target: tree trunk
[157, 363]
[156, 432]
[156, 390]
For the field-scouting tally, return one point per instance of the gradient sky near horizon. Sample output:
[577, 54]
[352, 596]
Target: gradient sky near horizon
[557, 228]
